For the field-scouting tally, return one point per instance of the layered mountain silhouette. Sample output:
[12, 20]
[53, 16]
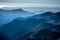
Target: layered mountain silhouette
[7, 16]
[12, 10]
[15, 11]
[40, 25]
[50, 22]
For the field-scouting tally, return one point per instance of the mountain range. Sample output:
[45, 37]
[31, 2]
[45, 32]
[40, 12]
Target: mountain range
[7, 16]
[38, 24]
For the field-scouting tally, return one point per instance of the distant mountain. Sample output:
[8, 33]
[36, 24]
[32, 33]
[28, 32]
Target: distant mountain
[13, 10]
[9, 8]
[7, 16]
[49, 16]
[21, 10]
[50, 20]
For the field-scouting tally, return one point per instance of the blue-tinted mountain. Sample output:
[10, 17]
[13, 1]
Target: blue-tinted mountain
[3, 36]
[12, 10]
[7, 16]
[22, 26]
[18, 26]
[52, 26]
[44, 35]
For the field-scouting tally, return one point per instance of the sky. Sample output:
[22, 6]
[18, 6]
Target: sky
[33, 1]
[29, 3]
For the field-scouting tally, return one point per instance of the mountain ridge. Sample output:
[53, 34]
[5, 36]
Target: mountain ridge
[21, 26]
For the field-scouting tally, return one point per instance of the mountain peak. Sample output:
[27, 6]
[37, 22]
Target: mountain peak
[18, 10]
[13, 10]
[48, 13]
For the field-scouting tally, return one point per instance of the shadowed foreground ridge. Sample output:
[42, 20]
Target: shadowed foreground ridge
[41, 26]
[3, 37]
[44, 35]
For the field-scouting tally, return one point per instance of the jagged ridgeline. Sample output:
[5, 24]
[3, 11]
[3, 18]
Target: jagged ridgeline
[18, 24]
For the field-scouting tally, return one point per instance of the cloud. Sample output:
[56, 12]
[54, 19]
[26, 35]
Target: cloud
[33, 1]
[28, 5]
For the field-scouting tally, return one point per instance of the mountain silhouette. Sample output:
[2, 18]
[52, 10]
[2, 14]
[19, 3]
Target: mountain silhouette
[13, 10]
[12, 14]
[18, 27]
[18, 9]
[45, 35]
[22, 26]
[51, 24]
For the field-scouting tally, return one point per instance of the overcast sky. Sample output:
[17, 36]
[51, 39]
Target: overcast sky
[33, 1]
[29, 3]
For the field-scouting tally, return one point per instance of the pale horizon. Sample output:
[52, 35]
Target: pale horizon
[28, 5]
[31, 1]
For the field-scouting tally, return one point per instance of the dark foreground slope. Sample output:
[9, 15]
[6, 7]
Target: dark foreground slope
[44, 35]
